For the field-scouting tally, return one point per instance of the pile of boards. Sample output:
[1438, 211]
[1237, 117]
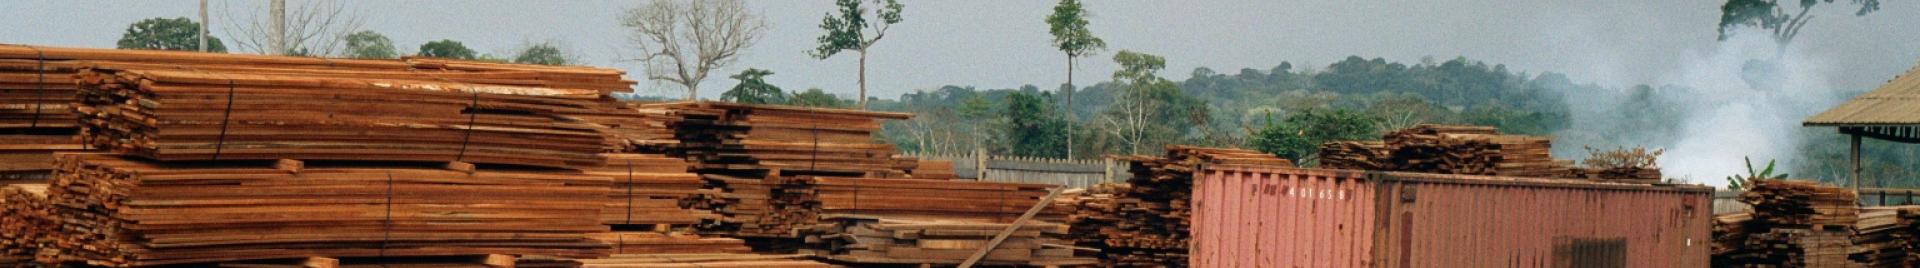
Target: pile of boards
[26, 223]
[1151, 219]
[752, 157]
[121, 211]
[237, 158]
[876, 240]
[658, 249]
[648, 192]
[1449, 149]
[1793, 224]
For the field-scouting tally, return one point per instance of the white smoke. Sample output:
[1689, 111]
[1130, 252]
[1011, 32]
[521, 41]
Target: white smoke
[1728, 118]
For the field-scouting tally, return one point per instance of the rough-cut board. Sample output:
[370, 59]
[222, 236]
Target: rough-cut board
[866, 239]
[670, 243]
[649, 190]
[120, 211]
[184, 116]
[1793, 224]
[705, 260]
[26, 221]
[751, 154]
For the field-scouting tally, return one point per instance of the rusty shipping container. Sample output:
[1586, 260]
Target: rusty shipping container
[1285, 217]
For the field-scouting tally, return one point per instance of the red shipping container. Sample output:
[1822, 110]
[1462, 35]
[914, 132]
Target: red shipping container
[1285, 217]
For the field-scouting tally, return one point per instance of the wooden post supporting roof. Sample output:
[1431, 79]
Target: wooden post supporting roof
[1886, 113]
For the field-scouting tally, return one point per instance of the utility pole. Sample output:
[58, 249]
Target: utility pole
[203, 25]
[277, 40]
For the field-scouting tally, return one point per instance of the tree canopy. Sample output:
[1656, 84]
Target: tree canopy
[369, 45]
[544, 53]
[753, 88]
[167, 34]
[446, 48]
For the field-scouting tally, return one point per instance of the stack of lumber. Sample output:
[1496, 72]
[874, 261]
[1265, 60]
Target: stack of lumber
[29, 157]
[738, 138]
[1798, 224]
[34, 94]
[1910, 223]
[705, 260]
[1730, 234]
[1473, 150]
[933, 170]
[798, 202]
[1156, 212]
[120, 211]
[751, 154]
[26, 221]
[1094, 210]
[881, 240]
[1359, 155]
[648, 189]
[1881, 236]
[669, 243]
[1623, 175]
[179, 115]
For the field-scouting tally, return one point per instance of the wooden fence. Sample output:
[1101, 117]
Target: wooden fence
[1001, 168]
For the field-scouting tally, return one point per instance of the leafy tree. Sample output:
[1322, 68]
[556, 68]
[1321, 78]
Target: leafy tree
[1298, 137]
[369, 45]
[1028, 126]
[167, 34]
[1148, 108]
[544, 53]
[814, 97]
[1741, 182]
[848, 32]
[446, 48]
[753, 88]
[1772, 16]
[1068, 24]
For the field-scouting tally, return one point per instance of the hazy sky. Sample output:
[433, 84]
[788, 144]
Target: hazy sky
[1002, 44]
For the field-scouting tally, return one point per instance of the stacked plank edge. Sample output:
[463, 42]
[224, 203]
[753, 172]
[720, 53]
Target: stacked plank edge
[1793, 224]
[877, 240]
[748, 153]
[649, 191]
[179, 115]
[129, 212]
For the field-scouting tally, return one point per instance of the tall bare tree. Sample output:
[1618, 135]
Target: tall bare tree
[311, 28]
[684, 40]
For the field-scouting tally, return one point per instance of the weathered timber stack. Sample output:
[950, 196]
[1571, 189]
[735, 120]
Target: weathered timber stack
[28, 158]
[1799, 224]
[750, 154]
[1910, 233]
[1880, 237]
[26, 223]
[1156, 213]
[1359, 155]
[648, 192]
[879, 240]
[706, 260]
[1731, 232]
[670, 243]
[1449, 149]
[1624, 175]
[129, 212]
[225, 116]
[38, 84]
[802, 201]
[1095, 209]
[933, 170]
[1473, 150]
